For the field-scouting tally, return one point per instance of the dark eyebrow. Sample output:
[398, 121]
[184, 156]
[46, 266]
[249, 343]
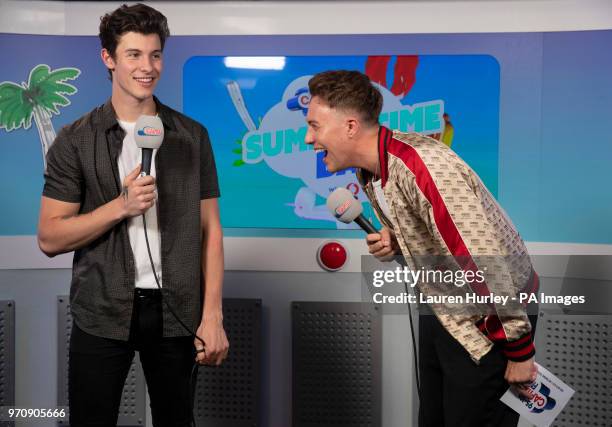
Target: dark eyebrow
[140, 51]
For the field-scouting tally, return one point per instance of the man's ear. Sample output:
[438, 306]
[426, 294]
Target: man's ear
[352, 127]
[107, 59]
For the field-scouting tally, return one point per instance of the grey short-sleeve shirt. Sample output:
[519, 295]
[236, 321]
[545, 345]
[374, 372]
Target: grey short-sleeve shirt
[82, 168]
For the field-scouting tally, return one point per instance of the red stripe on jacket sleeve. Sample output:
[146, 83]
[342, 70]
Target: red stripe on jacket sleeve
[518, 350]
[521, 349]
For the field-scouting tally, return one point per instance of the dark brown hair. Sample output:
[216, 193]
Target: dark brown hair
[348, 90]
[138, 18]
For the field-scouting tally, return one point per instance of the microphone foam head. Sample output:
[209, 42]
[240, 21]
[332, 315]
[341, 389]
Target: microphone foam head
[149, 132]
[343, 205]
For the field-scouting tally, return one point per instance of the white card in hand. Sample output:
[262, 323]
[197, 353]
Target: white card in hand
[549, 395]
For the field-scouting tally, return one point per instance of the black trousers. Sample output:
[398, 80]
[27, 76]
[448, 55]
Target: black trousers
[455, 391]
[99, 366]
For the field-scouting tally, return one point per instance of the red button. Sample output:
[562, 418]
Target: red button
[332, 256]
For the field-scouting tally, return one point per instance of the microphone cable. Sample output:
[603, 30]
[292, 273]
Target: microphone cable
[193, 378]
[414, 349]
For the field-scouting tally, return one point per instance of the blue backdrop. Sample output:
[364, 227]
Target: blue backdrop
[555, 100]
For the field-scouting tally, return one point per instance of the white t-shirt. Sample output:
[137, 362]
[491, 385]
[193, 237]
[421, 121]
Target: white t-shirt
[380, 198]
[129, 158]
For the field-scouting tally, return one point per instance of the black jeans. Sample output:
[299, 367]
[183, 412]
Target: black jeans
[99, 366]
[455, 392]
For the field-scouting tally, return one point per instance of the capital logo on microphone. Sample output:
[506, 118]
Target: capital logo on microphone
[149, 131]
[342, 208]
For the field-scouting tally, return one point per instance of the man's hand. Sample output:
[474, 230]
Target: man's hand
[383, 245]
[217, 346]
[520, 374]
[138, 193]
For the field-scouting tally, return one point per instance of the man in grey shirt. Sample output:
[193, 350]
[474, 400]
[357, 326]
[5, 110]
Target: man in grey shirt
[94, 203]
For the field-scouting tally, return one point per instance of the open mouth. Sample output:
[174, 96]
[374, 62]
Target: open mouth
[144, 79]
[321, 150]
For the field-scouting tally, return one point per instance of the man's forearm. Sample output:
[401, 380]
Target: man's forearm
[212, 269]
[66, 233]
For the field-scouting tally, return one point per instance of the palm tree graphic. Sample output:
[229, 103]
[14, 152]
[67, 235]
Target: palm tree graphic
[39, 98]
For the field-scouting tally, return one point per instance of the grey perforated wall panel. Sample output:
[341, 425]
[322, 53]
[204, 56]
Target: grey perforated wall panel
[230, 395]
[578, 349]
[7, 355]
[132, 409]
[336, 364]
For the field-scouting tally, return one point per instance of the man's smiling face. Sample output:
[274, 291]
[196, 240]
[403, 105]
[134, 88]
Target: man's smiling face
[327, 131]
[137, 65]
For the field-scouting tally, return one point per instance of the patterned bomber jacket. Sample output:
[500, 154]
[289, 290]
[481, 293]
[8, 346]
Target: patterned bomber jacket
[439, 207]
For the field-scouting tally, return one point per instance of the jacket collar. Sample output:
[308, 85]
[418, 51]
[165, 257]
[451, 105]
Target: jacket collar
[109, 118]
[384, 138]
